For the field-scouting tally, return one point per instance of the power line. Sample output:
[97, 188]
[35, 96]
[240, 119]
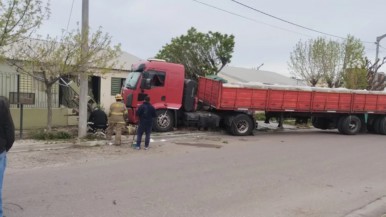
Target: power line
[292, 23]
[69, 18]
[250, 19]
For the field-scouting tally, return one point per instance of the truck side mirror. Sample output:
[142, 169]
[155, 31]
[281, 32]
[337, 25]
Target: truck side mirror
[145, 84]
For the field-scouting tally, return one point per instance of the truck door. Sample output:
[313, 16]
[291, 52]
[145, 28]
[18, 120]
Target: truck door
[157, 92]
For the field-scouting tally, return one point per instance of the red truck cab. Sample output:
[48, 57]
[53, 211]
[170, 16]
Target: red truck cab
[163, 82]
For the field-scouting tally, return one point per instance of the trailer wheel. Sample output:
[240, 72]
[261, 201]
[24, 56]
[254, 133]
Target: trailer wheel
[382, 126]
[164, 121]
[376, 124]
[370, 126]
[340, 125]
[351, 125]
[241, 125]
[320, 123]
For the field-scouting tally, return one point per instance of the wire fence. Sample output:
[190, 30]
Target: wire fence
[22, 83]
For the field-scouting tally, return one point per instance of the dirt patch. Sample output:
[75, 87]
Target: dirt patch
[71, 155]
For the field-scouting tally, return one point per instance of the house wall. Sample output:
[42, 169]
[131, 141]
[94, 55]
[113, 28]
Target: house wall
[106, 97]
[34, 118]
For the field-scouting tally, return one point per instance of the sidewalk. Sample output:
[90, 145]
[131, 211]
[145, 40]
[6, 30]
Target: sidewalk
[26, 145]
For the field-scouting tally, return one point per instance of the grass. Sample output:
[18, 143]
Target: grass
[53, 135]
[260, 116]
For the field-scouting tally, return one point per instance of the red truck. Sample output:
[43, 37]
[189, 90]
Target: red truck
[212, 104]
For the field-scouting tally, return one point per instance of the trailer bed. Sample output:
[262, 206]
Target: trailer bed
[248, 96]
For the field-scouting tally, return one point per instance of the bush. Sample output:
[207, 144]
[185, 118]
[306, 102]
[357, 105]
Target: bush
[43, 135]
[260, 116]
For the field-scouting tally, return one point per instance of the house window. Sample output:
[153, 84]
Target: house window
[116, 85]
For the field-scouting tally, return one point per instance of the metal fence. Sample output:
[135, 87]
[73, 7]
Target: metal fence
[12, 82]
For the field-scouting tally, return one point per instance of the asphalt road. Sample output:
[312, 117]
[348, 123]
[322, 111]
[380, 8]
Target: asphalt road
[271, 174]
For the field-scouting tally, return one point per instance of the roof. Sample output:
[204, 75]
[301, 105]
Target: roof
[238, 74]
[125, 60]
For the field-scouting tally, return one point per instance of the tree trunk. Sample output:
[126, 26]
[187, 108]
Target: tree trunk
[49, 107]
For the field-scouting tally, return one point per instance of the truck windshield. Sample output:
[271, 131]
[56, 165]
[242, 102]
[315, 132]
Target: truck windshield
[132, 80]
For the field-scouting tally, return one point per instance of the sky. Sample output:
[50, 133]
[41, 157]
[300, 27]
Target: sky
[142, 27]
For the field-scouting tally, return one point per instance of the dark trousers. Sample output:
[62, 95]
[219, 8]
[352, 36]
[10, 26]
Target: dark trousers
[143, 128]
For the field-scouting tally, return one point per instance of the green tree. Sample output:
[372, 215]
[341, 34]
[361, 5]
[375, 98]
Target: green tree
[328, 56]
[18, 19]
[49, 59]
[354, 64]
[354, 53]
[323, 60]
[355, 78]
[201, 54]
[303, 62]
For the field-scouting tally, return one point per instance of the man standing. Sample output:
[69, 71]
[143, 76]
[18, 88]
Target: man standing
[7, 137]
[146, 113]
[117, 117]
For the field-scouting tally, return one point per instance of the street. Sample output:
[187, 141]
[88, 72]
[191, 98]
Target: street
[290, 173]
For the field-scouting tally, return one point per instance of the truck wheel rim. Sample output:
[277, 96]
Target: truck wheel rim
[352, 125]
[242, 126]
[163, 121]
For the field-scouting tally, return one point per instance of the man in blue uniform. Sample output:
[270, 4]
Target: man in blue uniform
[146, 113]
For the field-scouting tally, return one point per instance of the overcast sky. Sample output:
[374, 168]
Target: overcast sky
[144, 26]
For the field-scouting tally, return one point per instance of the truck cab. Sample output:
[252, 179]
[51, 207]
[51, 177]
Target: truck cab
[163, 82]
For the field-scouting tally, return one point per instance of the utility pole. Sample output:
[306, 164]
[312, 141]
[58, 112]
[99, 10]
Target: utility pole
[83, 77]
[379, 38]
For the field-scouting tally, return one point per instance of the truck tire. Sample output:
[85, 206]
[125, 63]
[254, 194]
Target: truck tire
[382, 126]
[351, 125]
[340, 125]
[370, 126]
[376, 124]
[241, 125]
[320, 123]
[164, 121]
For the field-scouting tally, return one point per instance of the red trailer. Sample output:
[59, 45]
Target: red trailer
[290, 99]
[232, 106]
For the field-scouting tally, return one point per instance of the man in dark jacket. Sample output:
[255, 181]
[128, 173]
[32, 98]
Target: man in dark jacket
[97, 119]
[7, 137]
[146, 113]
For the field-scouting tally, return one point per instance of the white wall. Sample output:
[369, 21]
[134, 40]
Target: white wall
[106, 99]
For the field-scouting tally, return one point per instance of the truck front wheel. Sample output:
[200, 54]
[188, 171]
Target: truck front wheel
[241, 125]
[164, 121]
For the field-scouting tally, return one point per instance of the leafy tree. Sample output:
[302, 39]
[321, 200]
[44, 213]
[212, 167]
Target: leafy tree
[19, 18]
[201, 54]
[50, 59]
[355, 78]
[303, 62]
[354, 52]
[353, 68]
[328, 56]
[323, 60]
